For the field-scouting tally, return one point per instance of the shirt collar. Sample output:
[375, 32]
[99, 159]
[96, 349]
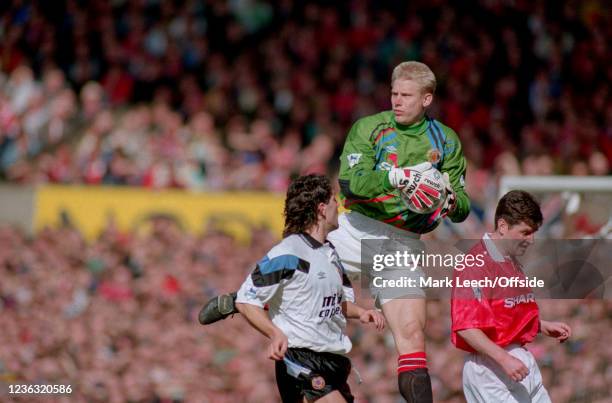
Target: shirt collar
[492, 249]
[313, 243]
[415, 128]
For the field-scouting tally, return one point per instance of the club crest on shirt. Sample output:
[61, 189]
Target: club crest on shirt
[318, 383]
[434, 155]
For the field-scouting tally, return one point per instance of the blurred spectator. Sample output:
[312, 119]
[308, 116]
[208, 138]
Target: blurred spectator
[529, 79]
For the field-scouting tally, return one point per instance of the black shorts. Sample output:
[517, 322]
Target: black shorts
[308, 373]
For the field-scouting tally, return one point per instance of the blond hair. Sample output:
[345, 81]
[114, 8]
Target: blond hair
[415, 71]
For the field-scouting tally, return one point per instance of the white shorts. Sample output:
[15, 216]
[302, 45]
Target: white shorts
[484, 380]
[355, 227]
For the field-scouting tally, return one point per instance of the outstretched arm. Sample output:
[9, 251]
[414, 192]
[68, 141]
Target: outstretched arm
[354, 311]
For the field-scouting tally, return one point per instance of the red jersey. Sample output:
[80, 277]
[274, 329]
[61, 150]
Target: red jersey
[506, 315]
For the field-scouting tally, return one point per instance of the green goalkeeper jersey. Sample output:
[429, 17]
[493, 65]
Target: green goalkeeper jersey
[377, 143]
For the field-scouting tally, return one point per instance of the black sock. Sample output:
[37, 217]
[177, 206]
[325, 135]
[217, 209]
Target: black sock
[415, 386]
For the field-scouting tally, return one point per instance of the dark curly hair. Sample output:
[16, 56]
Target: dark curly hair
[519, 206]
[303, 196]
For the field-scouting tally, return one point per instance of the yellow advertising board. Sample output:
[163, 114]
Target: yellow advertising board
[90, 208]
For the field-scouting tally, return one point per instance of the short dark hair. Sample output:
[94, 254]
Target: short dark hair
[519, 206]
[303, 196]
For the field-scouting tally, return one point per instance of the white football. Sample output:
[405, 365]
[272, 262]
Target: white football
[426, 194]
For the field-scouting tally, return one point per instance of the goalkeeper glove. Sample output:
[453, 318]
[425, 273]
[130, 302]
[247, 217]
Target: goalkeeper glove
[401, 178]
[449, 203]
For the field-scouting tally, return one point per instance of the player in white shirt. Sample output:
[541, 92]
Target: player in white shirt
[309, 298]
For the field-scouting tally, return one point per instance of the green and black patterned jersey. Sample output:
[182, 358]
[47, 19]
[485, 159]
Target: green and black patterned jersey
[377, 143]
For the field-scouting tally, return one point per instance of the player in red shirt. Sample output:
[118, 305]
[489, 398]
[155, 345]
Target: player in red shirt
[494, 324]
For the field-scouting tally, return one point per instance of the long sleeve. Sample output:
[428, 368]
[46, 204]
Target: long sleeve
[455, 165]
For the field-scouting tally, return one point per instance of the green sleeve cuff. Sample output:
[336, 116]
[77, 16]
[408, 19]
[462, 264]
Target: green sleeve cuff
[462, 209]
[387, 187]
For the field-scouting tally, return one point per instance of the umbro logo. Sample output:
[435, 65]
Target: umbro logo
[321, 275]
[391, 149]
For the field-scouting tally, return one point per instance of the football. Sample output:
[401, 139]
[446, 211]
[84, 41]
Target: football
[426, 194]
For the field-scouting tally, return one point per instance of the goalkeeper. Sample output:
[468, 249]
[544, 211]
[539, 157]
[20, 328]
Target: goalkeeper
[386, 154]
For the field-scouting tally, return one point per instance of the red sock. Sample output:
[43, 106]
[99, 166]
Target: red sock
[412, 361]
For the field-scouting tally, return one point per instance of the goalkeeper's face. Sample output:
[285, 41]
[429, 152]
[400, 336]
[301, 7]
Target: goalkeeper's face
[409, 101]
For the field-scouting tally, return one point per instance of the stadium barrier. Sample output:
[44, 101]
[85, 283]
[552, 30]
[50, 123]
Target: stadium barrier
[91, 208]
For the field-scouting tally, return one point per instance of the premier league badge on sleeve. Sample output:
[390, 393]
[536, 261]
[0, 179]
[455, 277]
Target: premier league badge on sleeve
[353, 159]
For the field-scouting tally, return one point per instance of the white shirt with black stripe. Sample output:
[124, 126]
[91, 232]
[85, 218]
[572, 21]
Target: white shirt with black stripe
[304, 285]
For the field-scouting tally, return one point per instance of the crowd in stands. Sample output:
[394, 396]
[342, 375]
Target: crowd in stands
[124, 327]
[242, 95]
